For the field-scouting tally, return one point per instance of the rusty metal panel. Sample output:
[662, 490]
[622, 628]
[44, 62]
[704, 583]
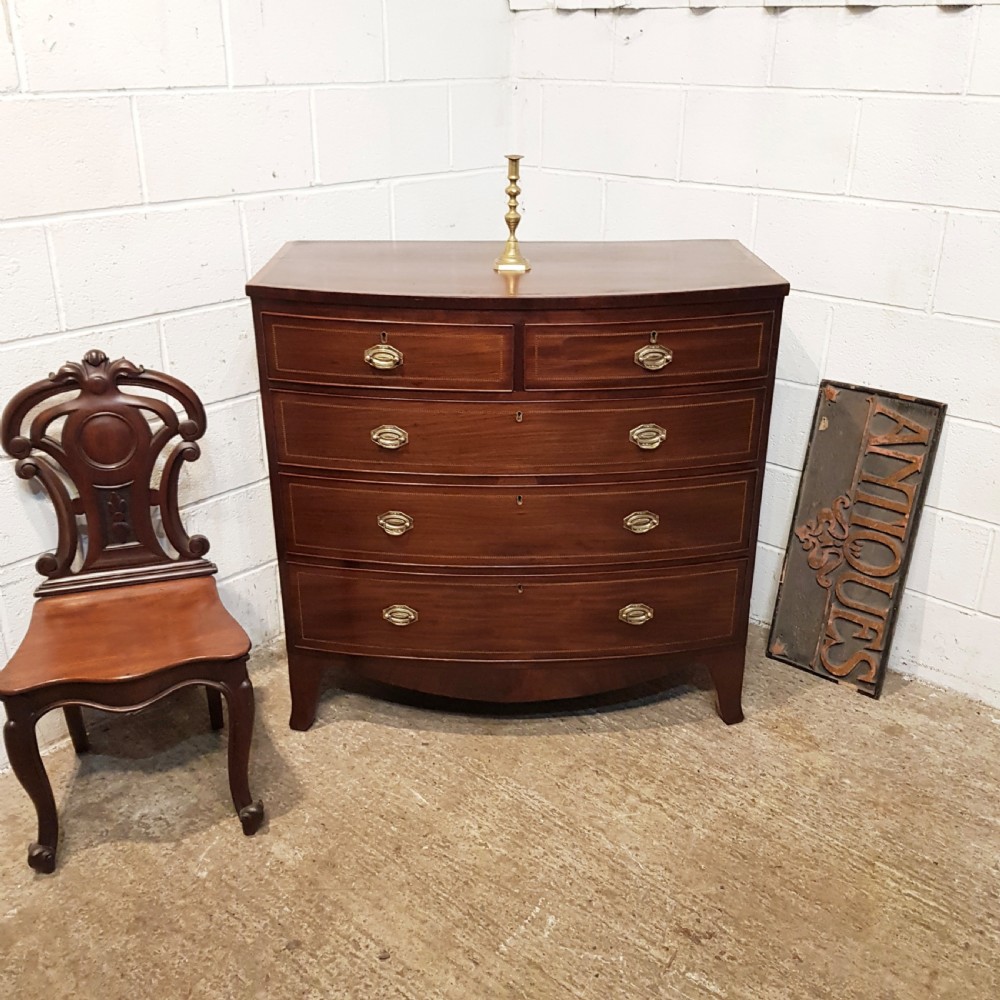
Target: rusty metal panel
[859, 503]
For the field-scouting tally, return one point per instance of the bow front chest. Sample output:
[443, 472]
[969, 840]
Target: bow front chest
[516, 488]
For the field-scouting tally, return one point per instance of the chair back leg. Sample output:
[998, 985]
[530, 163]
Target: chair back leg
[77, 730]
[214, 707]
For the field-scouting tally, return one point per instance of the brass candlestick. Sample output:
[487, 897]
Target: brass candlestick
[511, 261]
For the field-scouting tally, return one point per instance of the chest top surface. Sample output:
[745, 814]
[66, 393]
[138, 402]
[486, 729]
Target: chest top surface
[563, 274]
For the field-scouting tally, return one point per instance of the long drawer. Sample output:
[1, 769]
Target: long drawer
[326, 351]
[530, 617]
[494, 525]
[510, 438]
[648, 352]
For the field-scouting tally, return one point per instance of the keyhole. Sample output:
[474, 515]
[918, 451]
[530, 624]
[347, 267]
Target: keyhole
[520, 588]
[383, 337]
[520, 499]
[519, 416]
[652, 336]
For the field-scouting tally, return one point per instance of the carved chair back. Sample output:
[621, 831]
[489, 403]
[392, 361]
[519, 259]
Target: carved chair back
[100, 466]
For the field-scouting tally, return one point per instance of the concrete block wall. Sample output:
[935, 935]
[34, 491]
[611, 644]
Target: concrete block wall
[856, 151]
[155, 153]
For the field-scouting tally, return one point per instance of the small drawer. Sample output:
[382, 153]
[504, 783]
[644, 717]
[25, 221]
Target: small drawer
[533, 525]
[510, 617]
[512, 438]
[648, 352]
[346, 352]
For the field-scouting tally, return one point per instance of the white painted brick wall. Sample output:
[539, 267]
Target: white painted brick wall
[768, 138]
[81, 152]
[731, 47]
[345, 213]
[8, 63]
[856, 151]
[363, 133]
[851, 249]
[121, 44]
[985, 77]
[304, 41]
[142, 263]
[479, 116]
[209, 144]
[967, 276]
[27, 295]
[155, 153]
[455, 207]
[938, 152]
[448, 39]
[592, 127]
[916, 49]
[564, 47]
[638, 210]
[562, 206]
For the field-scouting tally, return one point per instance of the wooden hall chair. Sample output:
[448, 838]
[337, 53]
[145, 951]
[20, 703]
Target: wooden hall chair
[120, 621]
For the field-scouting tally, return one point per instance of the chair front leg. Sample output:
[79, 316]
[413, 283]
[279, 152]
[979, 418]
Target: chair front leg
[239, 697]
[21, 741]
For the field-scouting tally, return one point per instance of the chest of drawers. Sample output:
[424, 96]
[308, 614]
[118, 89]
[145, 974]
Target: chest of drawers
[516, 488]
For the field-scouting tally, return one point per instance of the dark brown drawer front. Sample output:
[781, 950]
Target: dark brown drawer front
[482, 617]
[647, 352]
[499, 438]
[506, 526]
[401, 355]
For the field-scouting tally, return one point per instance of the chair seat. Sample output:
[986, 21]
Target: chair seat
[117, 634]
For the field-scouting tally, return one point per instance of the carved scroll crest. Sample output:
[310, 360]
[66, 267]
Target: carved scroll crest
[95, 450]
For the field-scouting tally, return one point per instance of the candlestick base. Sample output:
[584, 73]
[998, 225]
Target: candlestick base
[511, 261]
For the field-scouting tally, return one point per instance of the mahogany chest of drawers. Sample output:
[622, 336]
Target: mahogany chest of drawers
[516, 488]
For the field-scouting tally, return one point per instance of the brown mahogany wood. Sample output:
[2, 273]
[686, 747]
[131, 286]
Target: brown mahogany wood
[123, 621]
[572, 354]
[575, 437]
[463, 525]
[515, 617]
[563, 275]
[518, 525]
[430, 355]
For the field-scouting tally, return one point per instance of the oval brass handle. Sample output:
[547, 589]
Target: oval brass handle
[390, 436]
[641, 521]
[648, 436]
[653, 357]
[383, 357]
[400, 614]
[636, 614]
[395, 522]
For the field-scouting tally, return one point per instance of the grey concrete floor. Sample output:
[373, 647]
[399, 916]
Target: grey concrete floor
[830, 846]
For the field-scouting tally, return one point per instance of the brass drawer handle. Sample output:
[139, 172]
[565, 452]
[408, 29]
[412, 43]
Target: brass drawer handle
[395, 522]
[390, 436]
[636, 614]
[400, 614]
[384, 357]
[653, 357]
[648, 436]
[641, 521]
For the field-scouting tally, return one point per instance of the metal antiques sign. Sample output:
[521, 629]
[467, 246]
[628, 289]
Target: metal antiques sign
[859, 502]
